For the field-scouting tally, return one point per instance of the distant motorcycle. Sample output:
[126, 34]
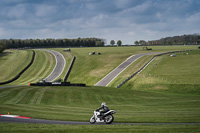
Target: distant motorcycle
[108, 117]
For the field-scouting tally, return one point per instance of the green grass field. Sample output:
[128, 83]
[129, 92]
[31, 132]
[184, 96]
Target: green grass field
[164, 93]
[178, 74]
[77, 104]
[12, 62]
[53, 128]
[130, 70]
[42, 66]
[91, 69]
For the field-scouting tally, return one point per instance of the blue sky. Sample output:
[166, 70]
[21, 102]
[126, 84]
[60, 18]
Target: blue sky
[126, 20]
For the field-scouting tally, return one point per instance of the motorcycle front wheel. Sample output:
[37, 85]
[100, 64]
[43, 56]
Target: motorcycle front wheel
[92, 120]
[109, 119]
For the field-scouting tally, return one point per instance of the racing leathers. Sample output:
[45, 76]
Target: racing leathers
[103, 109]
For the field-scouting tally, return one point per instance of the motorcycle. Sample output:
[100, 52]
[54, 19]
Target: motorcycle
[108, 117]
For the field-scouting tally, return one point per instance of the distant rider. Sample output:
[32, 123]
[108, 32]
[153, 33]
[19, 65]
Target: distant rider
[104, 108]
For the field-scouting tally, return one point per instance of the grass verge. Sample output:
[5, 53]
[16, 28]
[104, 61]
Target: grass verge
[53, 128]
[12, 62]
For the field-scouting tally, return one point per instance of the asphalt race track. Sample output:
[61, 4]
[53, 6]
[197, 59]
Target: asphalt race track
[39, 121]
[112, 75]
[58, 69]
[20, 120]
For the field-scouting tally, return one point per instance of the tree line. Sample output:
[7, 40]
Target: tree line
[34, 43]
[175, 40]
[2, 47]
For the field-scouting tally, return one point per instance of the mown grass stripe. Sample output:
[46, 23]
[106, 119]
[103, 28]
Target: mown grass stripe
[76, 103]
[26, 76]
[37, 72]
[7, 91]
[12, 63]
[36, 99]
[20, 95]
[26, 99]
[9, 95]
[49, 66]
[47, 111]
[41, 71]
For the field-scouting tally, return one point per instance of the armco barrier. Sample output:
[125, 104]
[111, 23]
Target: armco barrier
[60, 83]
[70, 68]
[18, 75]
[118, 86]
[56, 84]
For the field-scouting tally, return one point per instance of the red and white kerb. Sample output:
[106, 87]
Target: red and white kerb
[15, 116]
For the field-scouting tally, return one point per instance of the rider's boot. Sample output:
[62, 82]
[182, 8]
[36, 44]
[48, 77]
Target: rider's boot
[102, 117]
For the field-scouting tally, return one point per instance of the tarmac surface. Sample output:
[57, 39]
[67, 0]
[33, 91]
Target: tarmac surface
[113, 74]
[58, 69]
[39, 121]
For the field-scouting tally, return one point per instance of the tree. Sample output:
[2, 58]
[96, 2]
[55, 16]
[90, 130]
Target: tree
[99, 44]
[1, 47]
[142, 42]
[119, 43]
[136, 43]
[112, 42]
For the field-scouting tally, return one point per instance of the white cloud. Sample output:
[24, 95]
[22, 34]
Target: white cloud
[17, 11]
[122, 3]
[45, 10]
[95, 22]
[195, 18]
[19, 23]
[90, 6]
[2, 31]
[127, 20]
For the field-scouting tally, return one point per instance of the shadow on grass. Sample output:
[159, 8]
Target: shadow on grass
[4, 54]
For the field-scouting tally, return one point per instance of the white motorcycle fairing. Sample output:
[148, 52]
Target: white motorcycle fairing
[108, 118]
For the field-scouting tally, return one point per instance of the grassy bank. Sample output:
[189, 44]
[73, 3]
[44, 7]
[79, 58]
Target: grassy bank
[77, 104]
[130, 70]
[182, 73]
[12, 62]
[161, 93]
[90, 69]
[42, 66]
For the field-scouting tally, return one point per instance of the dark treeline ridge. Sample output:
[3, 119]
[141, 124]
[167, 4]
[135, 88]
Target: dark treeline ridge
[177, 40]
[2, 47]
[35, 43]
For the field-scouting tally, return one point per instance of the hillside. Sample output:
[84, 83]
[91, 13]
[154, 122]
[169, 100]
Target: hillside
[90, 69]
[164, 96]
[13, 61]
[78, 103]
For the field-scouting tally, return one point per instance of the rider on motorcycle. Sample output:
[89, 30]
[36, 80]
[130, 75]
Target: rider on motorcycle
[105, 109]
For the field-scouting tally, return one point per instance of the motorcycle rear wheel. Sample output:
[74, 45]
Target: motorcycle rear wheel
[109, 119]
